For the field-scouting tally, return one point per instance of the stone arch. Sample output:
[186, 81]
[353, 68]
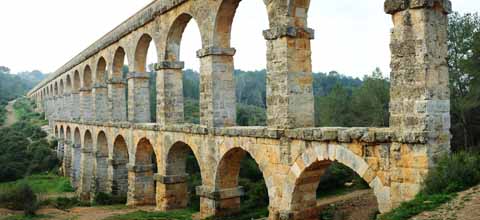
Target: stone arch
[120, 159]
[87, 77]
[117, 64]
[86, 164]
[51, 90]
[174, 37]
[141, 52]
[101, 71]
[101, 162]
[76, 81]
[304, 176]
[56, 131]
[143, 184]
[76, 157]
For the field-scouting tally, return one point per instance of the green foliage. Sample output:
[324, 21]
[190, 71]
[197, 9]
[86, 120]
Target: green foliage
[250, 115]
[102, 198]
[453, 173]
[40, 183]
[192, 111]
[21, 197]
[335, 178]
[65, 203]
[144, 215]
[421, 203]
[364, 105]
[464, 69]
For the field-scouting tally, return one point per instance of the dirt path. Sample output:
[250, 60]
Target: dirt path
[81, 213]
[465, 207]
[11, 117]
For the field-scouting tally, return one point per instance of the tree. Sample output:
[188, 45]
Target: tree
[463, 64]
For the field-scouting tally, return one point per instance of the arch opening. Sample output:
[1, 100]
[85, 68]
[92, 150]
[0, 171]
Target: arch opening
[68, 84]
[181, 161]
[76, 81]
[145, 58]
[87, 77]
[119, 165]
[322, 180]
[238, 171]
[145, 168]
[234, 26]
[183, 41]
[101, 170]
[101, 72]
[67, 158]
[119, 88]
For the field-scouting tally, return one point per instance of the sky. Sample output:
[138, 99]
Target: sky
[351, 36]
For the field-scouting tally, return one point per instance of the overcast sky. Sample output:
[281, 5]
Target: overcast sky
[351, 36]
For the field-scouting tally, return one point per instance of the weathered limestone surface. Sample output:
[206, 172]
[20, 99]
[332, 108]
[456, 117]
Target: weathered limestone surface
[115, 148]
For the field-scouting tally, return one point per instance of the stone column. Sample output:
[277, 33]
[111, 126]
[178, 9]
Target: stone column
[117, 99]
[172, 192]
[141, 187]
[86, 108]
[86, 175]
[217, 87]
[67, 106]
[100, 102]
[67, 159]
[419, 92]
[170, 92]
[290, 101]
[138, 97]
[75, 106]
[101, 173]
[75, 171]
[225, 202]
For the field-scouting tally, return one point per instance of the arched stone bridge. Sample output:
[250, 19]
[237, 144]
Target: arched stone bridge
[108, 147]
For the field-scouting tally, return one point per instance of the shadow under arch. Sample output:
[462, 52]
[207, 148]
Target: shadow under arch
[181, 168]
[304, 176]
[227, 179]
[101, 163]
[143, 171]
[118, 164]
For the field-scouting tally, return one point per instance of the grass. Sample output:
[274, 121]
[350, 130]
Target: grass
[25, 217]
[41, 183]
[143, 215]
[420, 204]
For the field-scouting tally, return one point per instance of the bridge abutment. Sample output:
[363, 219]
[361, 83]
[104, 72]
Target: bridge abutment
[172, 192]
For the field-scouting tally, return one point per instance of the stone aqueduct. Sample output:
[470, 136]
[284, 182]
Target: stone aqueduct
[108, 147]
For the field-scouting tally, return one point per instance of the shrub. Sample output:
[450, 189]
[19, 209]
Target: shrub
[65, 203]
[20, 198]
[103, 199]
[453, 173]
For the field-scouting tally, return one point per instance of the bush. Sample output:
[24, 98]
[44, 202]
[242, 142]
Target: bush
[20, 198]
[103, 199]
[453, 173]
[65, 203]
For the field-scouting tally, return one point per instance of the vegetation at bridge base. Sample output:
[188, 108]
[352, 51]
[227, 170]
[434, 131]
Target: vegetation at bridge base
[453, 173]
[144, 215]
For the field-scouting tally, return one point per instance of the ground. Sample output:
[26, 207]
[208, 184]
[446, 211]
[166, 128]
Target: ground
[466, 206]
